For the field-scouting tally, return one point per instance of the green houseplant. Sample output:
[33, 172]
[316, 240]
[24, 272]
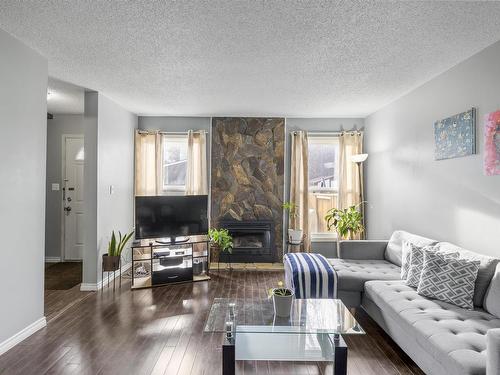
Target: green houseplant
[111, 260]
[220, 242]
[347, 222]
[294, 235]
[282, 300]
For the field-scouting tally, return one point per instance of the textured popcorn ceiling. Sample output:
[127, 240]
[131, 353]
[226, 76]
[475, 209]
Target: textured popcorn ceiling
[263, 58]
[64, 98]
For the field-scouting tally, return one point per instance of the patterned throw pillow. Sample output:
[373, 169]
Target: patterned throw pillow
[416, 264]
[405, 259]
[448, 279]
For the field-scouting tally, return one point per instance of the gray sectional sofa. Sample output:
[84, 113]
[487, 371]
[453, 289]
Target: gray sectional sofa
[440, 337]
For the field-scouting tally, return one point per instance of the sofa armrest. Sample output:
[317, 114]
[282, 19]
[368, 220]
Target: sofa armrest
[362, 250]
[493, 352]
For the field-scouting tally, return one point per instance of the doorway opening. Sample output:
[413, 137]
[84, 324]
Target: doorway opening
[64, 233]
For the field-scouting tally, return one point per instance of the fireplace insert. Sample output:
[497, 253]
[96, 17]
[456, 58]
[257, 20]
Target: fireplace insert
[253, 241]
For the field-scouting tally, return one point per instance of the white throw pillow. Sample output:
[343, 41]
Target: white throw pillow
[448, 279]
[405, 258]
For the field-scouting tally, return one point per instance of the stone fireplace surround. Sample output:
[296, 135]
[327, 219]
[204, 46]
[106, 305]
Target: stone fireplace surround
[247, 179]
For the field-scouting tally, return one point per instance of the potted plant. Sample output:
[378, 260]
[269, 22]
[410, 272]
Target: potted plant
[294, 235]
[347, 222]
[220, 242]
[111, 260]
[282, 300]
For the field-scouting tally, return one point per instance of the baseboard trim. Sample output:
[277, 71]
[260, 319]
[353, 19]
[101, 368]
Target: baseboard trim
[92, 287]
[22, 335]
[88, 287]
[52, 259]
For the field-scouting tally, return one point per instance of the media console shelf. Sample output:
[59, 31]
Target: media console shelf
[157, 262]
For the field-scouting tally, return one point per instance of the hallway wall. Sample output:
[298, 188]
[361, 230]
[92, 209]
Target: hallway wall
[23, 110]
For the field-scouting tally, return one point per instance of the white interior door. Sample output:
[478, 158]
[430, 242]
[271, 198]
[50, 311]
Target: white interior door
[73, 197]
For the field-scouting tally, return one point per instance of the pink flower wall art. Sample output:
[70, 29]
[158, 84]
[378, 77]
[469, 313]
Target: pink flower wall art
[492, 144]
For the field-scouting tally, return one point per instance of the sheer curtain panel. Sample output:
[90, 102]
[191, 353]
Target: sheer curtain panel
[350, 143]
[196, 173]
[147, 163]
[299, 185]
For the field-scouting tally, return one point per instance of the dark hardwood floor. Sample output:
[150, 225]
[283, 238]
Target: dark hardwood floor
[160, 331]
[62, 275]
[62, 288]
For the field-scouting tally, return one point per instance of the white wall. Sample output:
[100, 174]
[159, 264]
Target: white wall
[23, 123]
[448, 200]
[115, 150]
[174, 124]
[59, 125]
[90, 190]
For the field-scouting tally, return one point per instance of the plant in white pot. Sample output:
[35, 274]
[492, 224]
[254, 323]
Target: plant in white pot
[295, 236]
[282, 300]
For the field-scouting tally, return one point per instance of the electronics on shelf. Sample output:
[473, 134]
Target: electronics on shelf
[155, 263]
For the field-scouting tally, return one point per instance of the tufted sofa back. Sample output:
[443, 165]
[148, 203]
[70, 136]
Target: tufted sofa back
[395, 245]
[486, 269]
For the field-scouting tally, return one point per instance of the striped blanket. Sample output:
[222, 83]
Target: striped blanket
[310, 275]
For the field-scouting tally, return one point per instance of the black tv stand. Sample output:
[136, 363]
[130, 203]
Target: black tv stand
[158, 261]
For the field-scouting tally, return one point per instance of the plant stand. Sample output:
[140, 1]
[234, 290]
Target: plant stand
[111, 268]
[229, 262]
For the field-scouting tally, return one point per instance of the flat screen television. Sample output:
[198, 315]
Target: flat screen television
[170, 216]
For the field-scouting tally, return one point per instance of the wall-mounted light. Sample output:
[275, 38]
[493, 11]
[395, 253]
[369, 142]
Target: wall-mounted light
[359, 158]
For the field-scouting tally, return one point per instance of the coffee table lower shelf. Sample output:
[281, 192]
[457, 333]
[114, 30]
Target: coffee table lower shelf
[252, 346]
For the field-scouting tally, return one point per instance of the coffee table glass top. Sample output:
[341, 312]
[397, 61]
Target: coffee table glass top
[307, 316]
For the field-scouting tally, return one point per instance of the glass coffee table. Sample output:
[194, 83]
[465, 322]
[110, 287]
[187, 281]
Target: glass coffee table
[313, 332]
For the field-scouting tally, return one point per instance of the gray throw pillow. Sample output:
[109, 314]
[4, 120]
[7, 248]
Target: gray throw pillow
[492, 298]
[448, 279]
[416, 264]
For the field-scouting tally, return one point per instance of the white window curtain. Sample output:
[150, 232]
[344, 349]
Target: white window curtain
[350, 143]
[299, 185]
[196, 173]
[147, 163]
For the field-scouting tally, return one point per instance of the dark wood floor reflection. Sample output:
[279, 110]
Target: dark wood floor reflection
[160, 331]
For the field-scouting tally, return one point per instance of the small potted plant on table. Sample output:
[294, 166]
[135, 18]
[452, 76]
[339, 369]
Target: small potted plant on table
[295, 236]
[220, 242]
[282, 300]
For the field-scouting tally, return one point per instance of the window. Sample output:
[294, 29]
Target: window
[323, 168]
[174, 166]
